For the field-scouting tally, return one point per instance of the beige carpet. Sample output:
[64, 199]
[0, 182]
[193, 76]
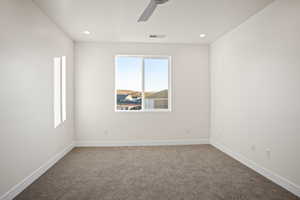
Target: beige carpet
[198, 172]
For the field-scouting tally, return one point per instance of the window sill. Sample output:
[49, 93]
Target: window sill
[144, 111]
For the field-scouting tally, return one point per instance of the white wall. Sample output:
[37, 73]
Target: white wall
[28, 43]
[255, 89]
[96, 120]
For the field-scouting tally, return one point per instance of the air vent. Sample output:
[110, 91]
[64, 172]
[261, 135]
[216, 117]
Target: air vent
[153, 36]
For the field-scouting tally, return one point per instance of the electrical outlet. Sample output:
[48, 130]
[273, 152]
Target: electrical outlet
[106, 132]
[188, 131]
[253, 147]
[219, 134]
[268, 152]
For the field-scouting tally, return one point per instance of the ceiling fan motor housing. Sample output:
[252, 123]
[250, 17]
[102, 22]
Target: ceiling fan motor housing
[160, 1]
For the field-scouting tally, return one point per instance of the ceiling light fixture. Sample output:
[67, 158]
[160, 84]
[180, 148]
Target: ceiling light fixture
[202, 35]
[86, 32]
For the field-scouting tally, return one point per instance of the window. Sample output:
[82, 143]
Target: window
[142, 83]
[59, 90]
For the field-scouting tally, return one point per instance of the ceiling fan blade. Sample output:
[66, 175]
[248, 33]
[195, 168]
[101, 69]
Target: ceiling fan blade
[148, 11]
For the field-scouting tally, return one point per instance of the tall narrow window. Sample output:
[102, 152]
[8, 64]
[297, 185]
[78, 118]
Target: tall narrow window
[59, 90]
[142, 83]
[63, 89]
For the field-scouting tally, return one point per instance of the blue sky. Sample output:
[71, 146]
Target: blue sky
[129, 74]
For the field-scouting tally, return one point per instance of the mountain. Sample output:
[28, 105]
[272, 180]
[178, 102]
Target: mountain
[128, 92]
[148, 95]
[161, 94]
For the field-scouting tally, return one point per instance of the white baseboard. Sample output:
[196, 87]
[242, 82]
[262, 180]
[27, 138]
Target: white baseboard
[283, 182]
[139, 143]
[17, 189]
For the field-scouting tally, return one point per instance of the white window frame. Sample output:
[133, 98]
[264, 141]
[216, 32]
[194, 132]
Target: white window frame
[60, 79]
[143, 86]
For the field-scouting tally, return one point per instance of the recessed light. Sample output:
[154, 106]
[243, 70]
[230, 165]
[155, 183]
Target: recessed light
[86, 32]
[202, 35]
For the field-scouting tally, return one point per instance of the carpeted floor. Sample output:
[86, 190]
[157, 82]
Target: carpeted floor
[198, 172]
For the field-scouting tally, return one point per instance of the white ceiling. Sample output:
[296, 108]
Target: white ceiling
[181, 20]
